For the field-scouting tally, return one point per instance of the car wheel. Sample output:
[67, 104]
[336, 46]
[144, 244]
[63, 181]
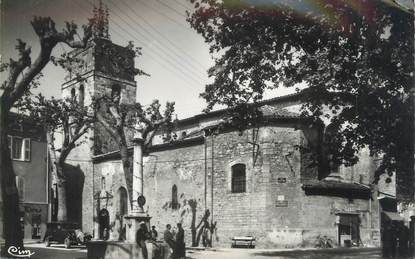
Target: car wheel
[47, 241]
[67, 243]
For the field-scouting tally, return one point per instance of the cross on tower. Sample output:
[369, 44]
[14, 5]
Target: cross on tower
[98, 196]
[100, 22]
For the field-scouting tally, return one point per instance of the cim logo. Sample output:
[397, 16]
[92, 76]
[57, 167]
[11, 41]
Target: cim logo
[16, 251]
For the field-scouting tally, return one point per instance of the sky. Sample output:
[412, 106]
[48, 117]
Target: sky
[175, 56]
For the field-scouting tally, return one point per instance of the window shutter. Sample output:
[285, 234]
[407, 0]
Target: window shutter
[9, 142]
[27, 149]
[17, 148]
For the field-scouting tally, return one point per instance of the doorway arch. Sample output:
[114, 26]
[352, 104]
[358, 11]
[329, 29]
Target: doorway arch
[104, 223]
[122, 210]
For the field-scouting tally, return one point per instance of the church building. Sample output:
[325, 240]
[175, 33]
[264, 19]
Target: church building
[264, 182]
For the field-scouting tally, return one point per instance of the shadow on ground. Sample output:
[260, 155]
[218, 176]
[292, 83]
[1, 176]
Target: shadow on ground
[324, 254]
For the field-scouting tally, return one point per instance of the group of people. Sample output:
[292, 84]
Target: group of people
[396, 240]
[174, 239]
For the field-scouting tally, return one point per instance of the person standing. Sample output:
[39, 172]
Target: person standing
[141, 236]
[154, 233]
[180, 251]
[168, 238]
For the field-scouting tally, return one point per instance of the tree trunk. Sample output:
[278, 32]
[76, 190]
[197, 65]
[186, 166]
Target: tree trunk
[61, 189]
[58, 178]
[126, 167]
[10, 197]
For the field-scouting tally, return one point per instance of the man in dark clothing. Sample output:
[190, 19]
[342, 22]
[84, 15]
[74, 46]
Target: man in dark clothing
[168, 237]
[403, 243]
[141, 236]
[180, 251]
[154, 233]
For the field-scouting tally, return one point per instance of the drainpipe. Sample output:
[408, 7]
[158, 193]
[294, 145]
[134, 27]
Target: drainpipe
[211, 190]
[48, 199]
[205, 149]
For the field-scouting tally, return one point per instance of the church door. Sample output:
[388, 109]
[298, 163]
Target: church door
[104, 224]
[122, 211]
[349, 233]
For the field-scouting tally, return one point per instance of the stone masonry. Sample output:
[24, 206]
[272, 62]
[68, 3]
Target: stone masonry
[274, 208]
[193, 174]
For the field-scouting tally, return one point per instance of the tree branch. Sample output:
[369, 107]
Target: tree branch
[49, 37]
[101, 119]
[79, 134]
[116, 114]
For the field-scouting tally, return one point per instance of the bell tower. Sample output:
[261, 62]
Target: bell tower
[102, 68]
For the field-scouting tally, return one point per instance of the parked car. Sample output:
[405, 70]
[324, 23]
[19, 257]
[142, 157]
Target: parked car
[65, 233]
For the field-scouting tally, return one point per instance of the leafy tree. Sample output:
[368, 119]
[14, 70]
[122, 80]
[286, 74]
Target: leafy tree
[72, 121]
[355, 57]
[21, 75]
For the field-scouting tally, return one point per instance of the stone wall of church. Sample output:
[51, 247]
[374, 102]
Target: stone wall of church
[271, 169]
[274, 207]
[103, 142]
[174, 187]
[80, 187]
[321, 217]
[109, 178]
[272, 159]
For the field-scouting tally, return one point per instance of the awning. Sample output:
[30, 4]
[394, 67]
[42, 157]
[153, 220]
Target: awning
[393, 216]
[338, 189]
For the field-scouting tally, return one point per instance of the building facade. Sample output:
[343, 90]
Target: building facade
[220, 183]
[260, 182]
[28, 151]
[106, 69]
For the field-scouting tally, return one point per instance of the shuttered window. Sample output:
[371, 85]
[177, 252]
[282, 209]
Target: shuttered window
[20, 148]
[17, 144]
[27, 148]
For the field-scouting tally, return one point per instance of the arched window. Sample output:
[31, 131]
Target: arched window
[103, 183]
[73, 94]
[81, 95]
[174, 200]
[122, 201]
[238, 178]
[116, 93]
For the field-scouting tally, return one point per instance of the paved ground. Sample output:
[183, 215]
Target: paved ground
[56, 251]
[267, 254]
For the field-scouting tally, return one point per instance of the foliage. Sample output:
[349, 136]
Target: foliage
[22, 75]
[118, 117]
[66, 116]
[356, 58]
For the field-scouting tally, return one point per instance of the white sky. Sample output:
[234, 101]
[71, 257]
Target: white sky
[175, 56]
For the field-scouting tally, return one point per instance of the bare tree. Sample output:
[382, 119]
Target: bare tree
[21, 73]
[117, 118]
